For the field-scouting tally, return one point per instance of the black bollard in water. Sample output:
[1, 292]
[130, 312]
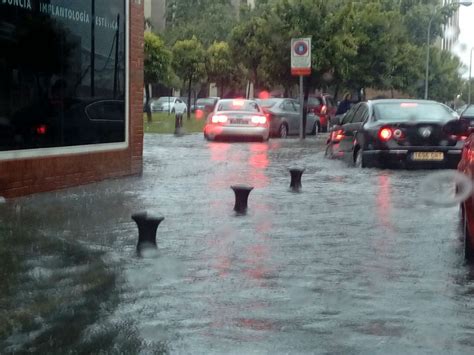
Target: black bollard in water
[241, 197]
[178, 124]
[147, 226]
[296, 174]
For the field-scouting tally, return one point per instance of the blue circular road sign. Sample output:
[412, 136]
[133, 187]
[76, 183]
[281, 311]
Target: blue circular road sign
[300, 48]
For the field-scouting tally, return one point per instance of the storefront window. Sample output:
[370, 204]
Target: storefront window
[62, 73]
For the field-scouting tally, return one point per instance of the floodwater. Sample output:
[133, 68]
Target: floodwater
[354, 263]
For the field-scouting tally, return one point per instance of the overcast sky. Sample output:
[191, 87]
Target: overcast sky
[466, 38]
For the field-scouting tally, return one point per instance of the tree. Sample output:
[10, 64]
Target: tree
[189, 57]
[219, 65]
[157, 65]
[187, 18]
[444, 81]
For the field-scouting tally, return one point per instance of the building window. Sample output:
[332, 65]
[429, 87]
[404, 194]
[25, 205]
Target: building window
[62, 73]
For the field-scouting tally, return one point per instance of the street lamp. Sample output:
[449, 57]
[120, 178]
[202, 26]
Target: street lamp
[460, 3]
[470, 77]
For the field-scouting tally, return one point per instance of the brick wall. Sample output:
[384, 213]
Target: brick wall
[32, 175]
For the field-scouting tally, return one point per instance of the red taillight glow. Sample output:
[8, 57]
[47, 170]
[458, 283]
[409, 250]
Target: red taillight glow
[459, 138]
[385, 134]
[259, 119]
[337, 135]
[41, 129]
[219, 119]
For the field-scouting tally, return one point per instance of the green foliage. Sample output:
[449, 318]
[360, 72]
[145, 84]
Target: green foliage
[157, 63]
[189, 57]
[220, 65]
[444, 80]
[355, 44]
[208, 20]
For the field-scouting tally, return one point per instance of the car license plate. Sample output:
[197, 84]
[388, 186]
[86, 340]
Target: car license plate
[238, 121]
[428, 156]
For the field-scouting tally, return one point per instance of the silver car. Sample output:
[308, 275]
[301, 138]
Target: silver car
[237, 118]
[285, 119]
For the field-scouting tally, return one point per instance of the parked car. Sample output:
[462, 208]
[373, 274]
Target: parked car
[73, 122]
[397, 133]
[205, 104]
[324, 107]
[284, 117]
[7, 134]
[468, 114]
[237, 118]
[168, 104]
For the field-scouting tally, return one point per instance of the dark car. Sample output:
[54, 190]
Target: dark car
[70, 122]
[284, 117]
[206, 105]
[397, 133]
[468, 114]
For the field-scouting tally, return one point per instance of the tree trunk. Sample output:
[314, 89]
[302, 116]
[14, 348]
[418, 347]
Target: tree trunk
[222, 89]
[305, 103]
[147, 104]
[188, 113]
[336, 92]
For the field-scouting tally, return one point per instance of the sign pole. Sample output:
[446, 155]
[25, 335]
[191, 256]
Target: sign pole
[301, 66]
[301, 107]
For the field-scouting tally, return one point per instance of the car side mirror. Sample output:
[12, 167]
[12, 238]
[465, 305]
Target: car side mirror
[459, 127]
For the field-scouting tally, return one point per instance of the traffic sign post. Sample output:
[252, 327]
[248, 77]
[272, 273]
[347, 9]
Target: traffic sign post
[301, 66]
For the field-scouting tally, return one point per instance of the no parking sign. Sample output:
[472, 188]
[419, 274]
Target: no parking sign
[301, 56]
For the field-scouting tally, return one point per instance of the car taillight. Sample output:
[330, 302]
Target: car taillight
[385, 134]
[259, 119]
[41, 129]
[219, 119]
[337, 135]
[459, 138]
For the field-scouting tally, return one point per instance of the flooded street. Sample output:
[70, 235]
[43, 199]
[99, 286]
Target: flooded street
[354, 263]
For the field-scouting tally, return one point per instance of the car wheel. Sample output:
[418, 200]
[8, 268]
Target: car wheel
[359, 159]
[283, 131]
[329, 152]
[468, 252]
[315, 130]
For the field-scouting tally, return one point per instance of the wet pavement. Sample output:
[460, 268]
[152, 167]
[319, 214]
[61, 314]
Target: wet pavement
[354, 263]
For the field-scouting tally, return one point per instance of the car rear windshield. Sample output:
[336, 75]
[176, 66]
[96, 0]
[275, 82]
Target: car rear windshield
[412, 111]
[268, 103]
[162, 100]
[238, 105]
[315, 101]
[469, 111]
[205, 101]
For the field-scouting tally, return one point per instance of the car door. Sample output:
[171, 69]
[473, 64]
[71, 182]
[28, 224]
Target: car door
[290, 112]
[348, 128]
[106, 121]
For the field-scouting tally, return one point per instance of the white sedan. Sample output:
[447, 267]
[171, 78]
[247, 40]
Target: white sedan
[169, 104]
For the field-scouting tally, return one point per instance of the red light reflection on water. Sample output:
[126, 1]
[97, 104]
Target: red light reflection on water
[384, 204]
[219, 151]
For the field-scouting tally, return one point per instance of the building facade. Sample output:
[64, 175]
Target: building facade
[155, 11]
[71, 81]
